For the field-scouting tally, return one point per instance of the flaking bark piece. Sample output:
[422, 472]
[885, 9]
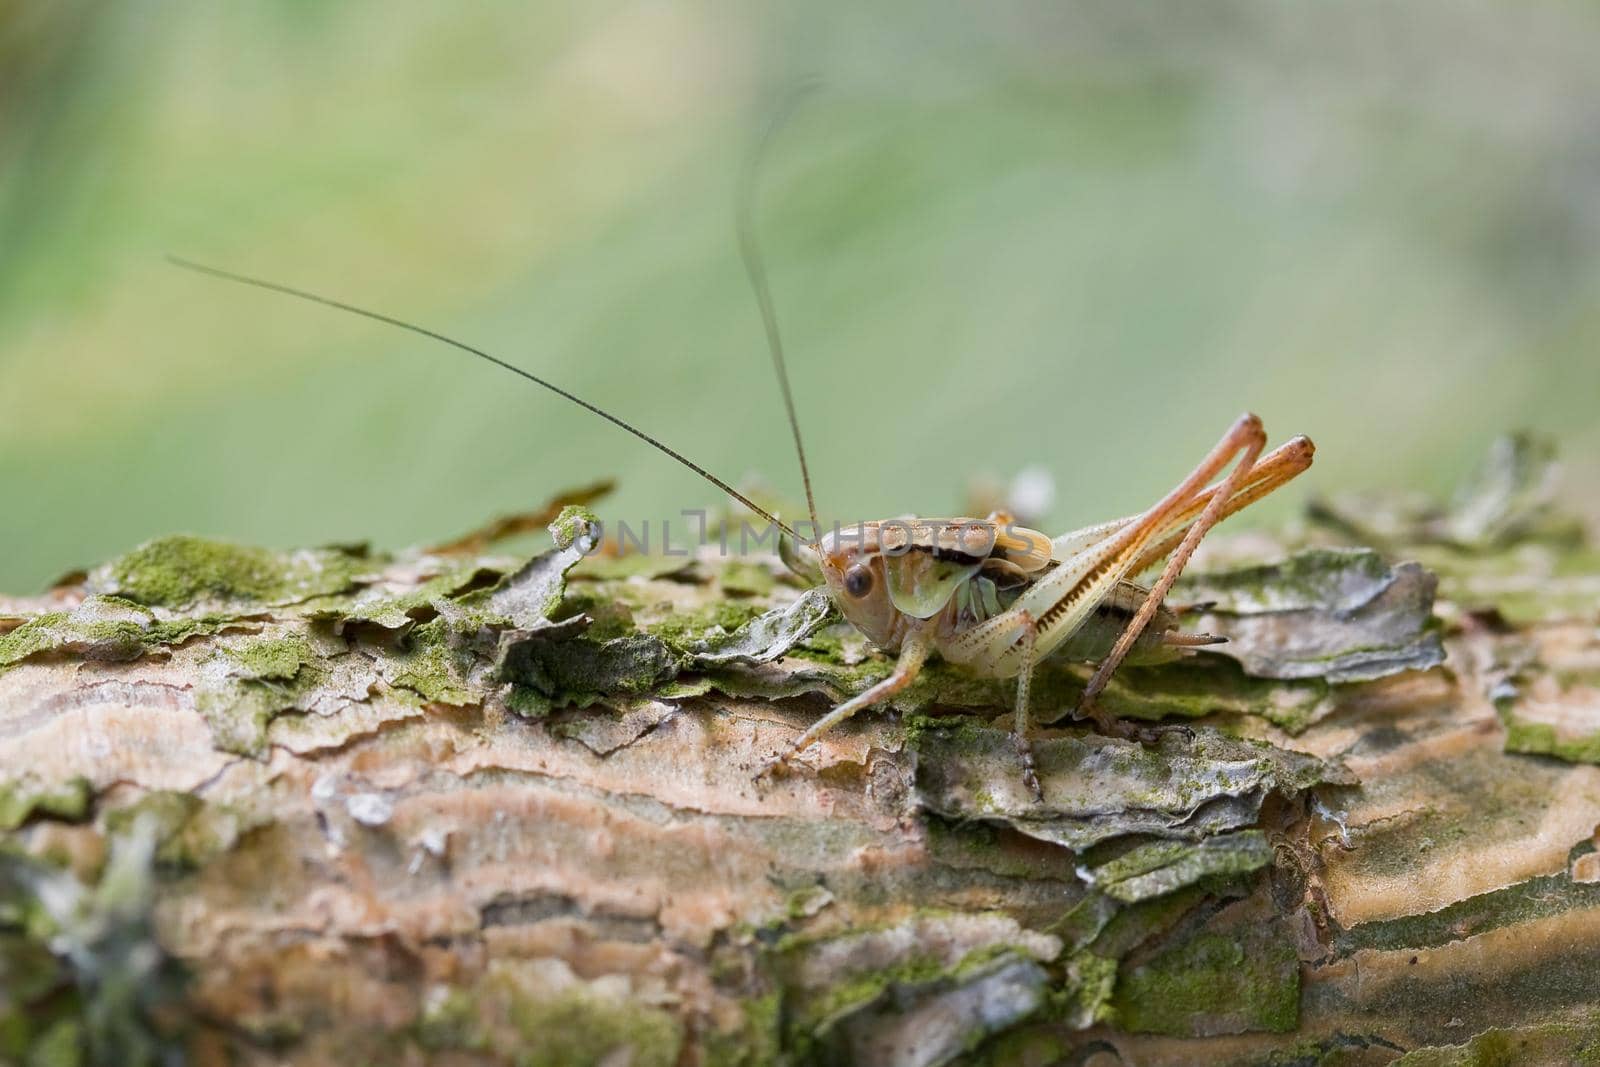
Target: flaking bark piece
[552, 669]
[1189, 785]
[1343, 615]
[423, 591]
[248, 682]
[100, 628]
[910, 993]
[1550, 702]
[1503, 544]
[943, 1024]
[532, 594]
[768, 636]
[603, 735]
[1161, 867]
[1509, 498]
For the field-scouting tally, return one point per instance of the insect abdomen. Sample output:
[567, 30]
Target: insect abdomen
[1093, 640]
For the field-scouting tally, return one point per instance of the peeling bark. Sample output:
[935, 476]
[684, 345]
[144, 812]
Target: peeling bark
[449, 807]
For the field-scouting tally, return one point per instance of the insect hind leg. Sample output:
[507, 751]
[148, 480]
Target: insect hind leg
[1245, 438]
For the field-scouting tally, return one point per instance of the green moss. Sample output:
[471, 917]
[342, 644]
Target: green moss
[188, 831]
[1200, 686]
[1553, 1043]
[756, 1042]
[82, 979]
[579, 1028]
[450, 1021]
[1080, 924]
[816, 1015]
[806, 901]
[100, 628]
[39, 634]
[1084, 996]
[854, 993]
[633, 565]
[239, 711]
[957, 734]
[1212, 983]
[25, 798]
[1523, 902]
[1142, 923]
[572, 523]
[1492, 1048]
[981, 846]
[609, 617]
[1313, 577]
[1025, 1046]
[61, 1045]
[433, 667]
[250, 681]
[181, 571]
[1541, 739]
[685, 629]
[1187, 689]
[271, 658]
[825, 646]
[1151, 870]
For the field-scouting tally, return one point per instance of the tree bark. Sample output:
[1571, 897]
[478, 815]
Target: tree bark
[451, 808]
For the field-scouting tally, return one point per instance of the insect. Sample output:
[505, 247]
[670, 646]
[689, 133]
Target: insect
[987, 595]
[997, 599]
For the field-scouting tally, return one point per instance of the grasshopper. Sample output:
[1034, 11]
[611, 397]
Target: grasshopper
[987, 595]
[996, 598]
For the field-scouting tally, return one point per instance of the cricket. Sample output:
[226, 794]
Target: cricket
[986, 595]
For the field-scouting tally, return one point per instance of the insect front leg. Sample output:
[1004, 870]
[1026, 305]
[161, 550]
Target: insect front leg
[1023, 724]
[990, 648]
[913, 654]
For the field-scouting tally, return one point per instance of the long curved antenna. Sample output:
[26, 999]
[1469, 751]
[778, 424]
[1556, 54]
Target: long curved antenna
[753, 266]
[259, 283]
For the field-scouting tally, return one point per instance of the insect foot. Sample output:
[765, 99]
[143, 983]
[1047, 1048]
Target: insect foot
[775, 766]
[1030, 776]
[1111, 726]
[1127, 730]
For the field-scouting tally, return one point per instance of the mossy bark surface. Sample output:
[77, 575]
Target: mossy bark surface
[457, 807]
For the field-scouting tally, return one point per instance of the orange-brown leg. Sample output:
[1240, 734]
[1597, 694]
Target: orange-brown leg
[913, 654]
[1271, 472]
[1254, 441]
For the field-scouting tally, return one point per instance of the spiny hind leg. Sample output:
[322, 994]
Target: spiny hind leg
[913, 654]
[1270, 473]
[1246, 438]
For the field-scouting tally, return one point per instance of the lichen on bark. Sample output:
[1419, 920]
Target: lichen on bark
[460, 805]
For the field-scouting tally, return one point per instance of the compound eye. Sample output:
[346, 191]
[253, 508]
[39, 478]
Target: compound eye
[858, 581]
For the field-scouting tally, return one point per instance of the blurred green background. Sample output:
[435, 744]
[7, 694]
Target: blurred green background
[1079, 235]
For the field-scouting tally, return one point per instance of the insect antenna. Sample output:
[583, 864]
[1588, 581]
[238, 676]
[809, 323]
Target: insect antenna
[287, 290]
[754, 267]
